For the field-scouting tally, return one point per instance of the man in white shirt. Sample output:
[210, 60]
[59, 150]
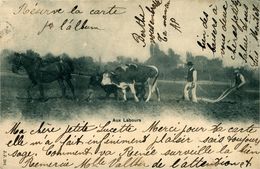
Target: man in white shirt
[239, 82]
[191, 85]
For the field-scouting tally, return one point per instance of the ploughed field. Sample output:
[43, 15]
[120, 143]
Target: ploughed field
[14, 103]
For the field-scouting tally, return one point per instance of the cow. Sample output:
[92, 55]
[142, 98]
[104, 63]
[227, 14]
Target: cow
[131, 74]
[95, 81]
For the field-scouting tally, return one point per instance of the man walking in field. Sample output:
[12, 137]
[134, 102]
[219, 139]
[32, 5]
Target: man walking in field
[239, 82]
[191, 85]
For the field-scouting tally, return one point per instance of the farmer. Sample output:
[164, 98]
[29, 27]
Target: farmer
[239, 82]
[239, 79]
[191, 85]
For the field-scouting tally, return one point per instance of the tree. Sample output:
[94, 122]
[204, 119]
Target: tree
[6, 57]
[85, 65]
[189, 57]
[32, 53]
[174, 58]
[123, 59]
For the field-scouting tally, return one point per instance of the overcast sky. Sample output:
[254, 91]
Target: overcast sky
[116, 38]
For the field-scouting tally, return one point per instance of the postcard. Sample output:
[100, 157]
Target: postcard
[129, 84]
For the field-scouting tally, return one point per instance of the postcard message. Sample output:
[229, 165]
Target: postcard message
[124, 144]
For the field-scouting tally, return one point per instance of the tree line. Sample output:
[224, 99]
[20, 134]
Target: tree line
[170, 65]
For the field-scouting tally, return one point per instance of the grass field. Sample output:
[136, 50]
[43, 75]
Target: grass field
[14, 103]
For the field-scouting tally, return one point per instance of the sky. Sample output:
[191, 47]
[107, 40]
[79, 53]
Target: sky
[115, 38]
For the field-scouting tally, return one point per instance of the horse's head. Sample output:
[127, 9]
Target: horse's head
[26, 60]
[16, 62]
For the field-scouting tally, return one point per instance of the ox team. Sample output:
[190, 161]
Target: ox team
[138, 77]
[132, 76]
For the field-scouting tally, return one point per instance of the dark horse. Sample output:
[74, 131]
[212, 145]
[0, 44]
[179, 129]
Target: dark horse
[40, 72]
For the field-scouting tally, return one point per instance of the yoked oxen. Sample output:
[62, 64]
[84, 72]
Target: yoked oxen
[130, 75]
[95, 81]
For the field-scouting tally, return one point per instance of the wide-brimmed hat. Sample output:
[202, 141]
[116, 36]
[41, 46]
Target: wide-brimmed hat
[189, 64]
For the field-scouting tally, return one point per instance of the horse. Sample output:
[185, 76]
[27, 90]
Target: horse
[40, 72]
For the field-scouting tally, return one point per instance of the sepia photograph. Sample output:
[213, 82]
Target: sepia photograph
[129, 84]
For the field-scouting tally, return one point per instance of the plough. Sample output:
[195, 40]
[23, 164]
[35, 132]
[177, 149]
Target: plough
[221, 97]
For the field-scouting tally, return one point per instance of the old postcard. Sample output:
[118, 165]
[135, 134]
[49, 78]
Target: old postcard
[129, 84]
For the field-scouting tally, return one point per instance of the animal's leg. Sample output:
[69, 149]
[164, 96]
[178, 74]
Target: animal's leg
[158, 93]
[149, 93]
[132, 88]
[140, 92]
[156, 89]
[63, 88]
[143, 95]
[71, 87]
[124, 93]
